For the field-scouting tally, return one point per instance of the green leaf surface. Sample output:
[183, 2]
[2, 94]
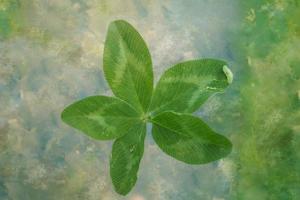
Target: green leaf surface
[187, 138]
[100, 117]
[127, 153]
[127, 65]
[185, 86]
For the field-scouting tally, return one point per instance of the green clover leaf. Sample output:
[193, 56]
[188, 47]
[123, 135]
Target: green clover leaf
[185, 86]
[127, 65]
[181, 90]
[188, 139]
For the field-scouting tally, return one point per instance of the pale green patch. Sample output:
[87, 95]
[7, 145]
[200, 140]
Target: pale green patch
[189, 79]
[119, 75]
[228, 73]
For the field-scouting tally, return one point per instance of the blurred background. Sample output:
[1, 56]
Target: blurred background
[51, 55]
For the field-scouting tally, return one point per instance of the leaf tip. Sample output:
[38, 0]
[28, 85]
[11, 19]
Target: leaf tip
[123, 193]
[122, 189]
[63, 115]
[229, 147]
[120, 22]
[228, 73]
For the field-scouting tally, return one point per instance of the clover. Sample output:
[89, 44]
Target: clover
[181, 90]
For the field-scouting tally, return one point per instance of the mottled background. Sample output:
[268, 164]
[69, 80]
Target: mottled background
[51, 55]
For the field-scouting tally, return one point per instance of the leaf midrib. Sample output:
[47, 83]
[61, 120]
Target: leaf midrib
[198, 85]
[186, 136]
[125, 46]
[110, 116]
[155, 122]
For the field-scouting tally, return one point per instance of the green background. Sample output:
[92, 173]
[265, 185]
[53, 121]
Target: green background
[51, 55]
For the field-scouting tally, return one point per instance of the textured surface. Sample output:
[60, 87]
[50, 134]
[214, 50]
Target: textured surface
[127, 153]
[101, 117]
[51, 55]
[186, 86]
[187, 138]
[127, 65]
